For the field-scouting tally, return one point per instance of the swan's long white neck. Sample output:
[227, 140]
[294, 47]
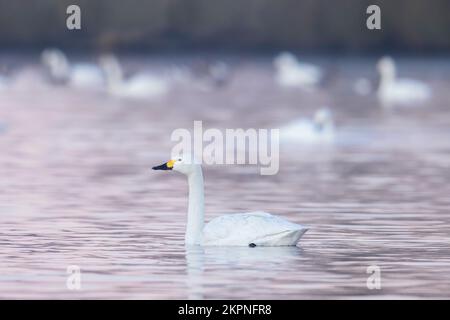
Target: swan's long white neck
[113, 72]
[387, 76]
[196, 211]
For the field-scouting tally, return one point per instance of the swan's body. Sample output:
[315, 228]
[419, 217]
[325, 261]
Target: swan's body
[139, 86]
[259, 228]
[318, 130]
[77, 75]
[86, 75]
[242, 229]
[393, 91]
[292, 73]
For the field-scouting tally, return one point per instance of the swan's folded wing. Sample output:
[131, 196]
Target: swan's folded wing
[245, 228]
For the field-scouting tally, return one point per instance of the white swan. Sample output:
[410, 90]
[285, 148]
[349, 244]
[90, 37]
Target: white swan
[318, 130]
[242, 229]
[393, 91]
[79, 75]
[139, 86]
[292, 73]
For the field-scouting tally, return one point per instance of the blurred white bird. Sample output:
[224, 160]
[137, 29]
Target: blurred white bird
[318, 130]
[138, 86]
[393, 91]
[242, 229]
[292, 73]
[78, 75]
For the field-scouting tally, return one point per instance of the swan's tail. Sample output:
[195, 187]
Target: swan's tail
[298, 234]
[285, 238]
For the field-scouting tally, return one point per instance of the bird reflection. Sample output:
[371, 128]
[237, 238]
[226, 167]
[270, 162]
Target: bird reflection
[258, 260]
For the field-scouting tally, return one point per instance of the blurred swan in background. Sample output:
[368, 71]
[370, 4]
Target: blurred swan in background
[241, 229]
[292, 73]
[137, 86]
[78, 75]
[393, 91]
[318, 130]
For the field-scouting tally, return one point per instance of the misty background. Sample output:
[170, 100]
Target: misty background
[407, 25]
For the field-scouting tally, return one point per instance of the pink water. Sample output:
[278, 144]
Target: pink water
[77, 189]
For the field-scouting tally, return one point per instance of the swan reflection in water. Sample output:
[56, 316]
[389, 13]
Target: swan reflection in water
[204, 263]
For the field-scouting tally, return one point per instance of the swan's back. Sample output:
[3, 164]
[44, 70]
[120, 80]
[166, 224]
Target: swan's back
[405, 91]
[257, 228]
[144, 85]
[306, 131]
[292, 73]
[86, 75]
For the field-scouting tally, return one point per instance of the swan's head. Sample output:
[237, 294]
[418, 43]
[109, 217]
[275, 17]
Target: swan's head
[182, 164]
[386, 67]
[51, 57]
[285, 60]
[56, 62]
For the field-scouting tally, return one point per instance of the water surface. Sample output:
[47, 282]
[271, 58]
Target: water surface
[77, 189]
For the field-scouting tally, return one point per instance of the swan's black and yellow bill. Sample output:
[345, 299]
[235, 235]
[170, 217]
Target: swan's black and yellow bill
[165, 166]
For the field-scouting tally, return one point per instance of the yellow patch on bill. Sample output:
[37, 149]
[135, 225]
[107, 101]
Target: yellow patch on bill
[170, 163]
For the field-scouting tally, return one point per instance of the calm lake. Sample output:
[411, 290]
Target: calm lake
[77, 188]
